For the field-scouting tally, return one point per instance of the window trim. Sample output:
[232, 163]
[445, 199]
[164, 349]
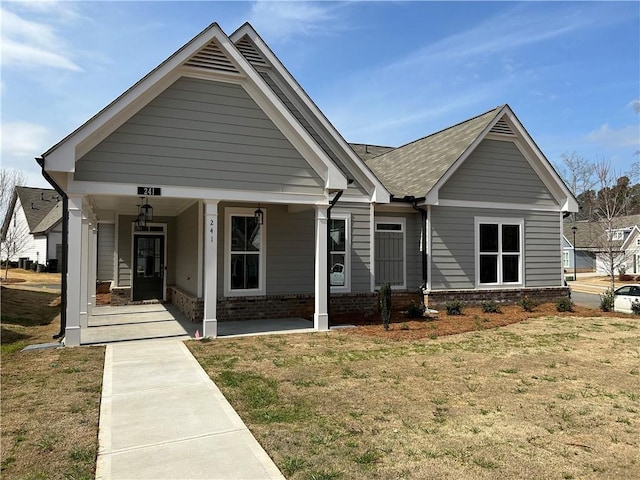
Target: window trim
[346, 288]
[262, 261]
[617, 235]
[500, 221]
[402, 221]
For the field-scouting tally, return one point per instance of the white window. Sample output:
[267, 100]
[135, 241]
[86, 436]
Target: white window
[617, 235]
[638, 242]
[499, 248]
[565, 259]
[339, 257]
[244, 252]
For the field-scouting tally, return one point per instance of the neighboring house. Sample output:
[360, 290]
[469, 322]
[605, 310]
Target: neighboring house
[593, 241]
[217, 184]
[33, 224]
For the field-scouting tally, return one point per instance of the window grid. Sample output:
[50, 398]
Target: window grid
[499, 250]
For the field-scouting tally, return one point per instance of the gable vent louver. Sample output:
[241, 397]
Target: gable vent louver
[502, 127]
[250, 53]
[212, 57]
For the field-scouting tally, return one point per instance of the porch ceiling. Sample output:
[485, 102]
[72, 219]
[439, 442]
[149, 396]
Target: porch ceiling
[162, 206]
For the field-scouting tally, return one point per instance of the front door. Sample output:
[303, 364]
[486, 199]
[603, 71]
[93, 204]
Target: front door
[148, 268]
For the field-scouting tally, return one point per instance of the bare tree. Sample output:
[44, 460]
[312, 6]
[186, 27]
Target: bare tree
[14, 234]
[578, 174]
[611, 204]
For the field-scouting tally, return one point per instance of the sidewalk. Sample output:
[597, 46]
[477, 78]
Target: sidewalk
[161, 417]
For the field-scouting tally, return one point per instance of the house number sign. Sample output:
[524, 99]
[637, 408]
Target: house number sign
[150, 191]
[211, 231]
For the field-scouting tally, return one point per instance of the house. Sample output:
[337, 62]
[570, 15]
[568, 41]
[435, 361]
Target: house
[216, 184]
[593, 242]
[32, 227]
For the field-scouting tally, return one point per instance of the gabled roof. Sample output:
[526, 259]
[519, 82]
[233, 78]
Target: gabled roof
[258, 53]
[209, 55]
[413, 169]
[37, 204]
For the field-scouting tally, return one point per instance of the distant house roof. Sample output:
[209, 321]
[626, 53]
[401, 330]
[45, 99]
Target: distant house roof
[413, 169]
[591, 235]
[37, 204]
[50, 220]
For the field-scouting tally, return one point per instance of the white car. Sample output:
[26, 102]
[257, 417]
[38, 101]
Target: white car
[625, 296]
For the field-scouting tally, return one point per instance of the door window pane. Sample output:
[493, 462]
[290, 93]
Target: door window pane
[336, 275]
[245, 253]
[245, 234]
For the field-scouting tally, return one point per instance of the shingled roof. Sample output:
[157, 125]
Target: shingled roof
[413, 169]
[36, 203]
[591, 235]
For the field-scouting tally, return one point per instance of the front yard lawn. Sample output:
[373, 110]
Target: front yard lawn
[552, 397]
[50, 398]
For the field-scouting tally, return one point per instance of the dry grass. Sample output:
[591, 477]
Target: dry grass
[50, 398]
[29, 276]
[553, 397]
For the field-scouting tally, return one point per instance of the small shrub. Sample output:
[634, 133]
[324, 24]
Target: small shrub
[385, 304]
[490, 306]
[606, 300]
[564, 304]
[528, 304]
[638, 278]
[635, 307]
[623, 277]
[454, 307]
[414, 311]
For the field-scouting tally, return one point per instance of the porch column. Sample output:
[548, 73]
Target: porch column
[74, 263]
[84, 274]
[321, 314]
[210, 322]
[93, 243]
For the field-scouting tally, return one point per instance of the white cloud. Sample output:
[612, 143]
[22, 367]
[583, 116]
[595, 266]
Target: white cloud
[280, 20]
[31, 44]
[24, 139]
[628, 136]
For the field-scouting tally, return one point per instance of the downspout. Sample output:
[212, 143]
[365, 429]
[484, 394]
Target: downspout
[65, 248]
[331, 204]
[423, 230]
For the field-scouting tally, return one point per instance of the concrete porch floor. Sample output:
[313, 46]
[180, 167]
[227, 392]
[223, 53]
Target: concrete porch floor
[152, 321]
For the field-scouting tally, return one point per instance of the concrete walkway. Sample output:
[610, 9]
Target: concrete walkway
[161, 417]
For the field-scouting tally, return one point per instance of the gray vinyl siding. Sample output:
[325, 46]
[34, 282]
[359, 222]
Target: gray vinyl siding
[106, 249]
[290, 251]
[453, 249]
[201, 133]
[125, 242]
[496, 171]
[186, 265]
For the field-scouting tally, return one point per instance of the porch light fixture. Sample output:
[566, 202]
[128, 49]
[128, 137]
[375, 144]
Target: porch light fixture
[259, 215]
[145, 214]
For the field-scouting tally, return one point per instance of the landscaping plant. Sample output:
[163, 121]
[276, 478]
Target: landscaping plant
[455, 307]
[528, 304]
[385, 304]
[490, 306]
[564, 304]
[606, 300]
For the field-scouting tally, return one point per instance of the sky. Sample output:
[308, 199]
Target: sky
[384, 73]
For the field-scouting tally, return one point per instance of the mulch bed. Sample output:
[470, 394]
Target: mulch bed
[472, 319]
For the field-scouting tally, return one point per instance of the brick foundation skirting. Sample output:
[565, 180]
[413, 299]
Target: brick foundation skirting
[436, 299]
[120, 296]
[191, 307]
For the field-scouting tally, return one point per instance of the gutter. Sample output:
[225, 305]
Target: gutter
[65, 248]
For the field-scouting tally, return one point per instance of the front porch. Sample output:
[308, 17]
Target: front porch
[108, 324]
